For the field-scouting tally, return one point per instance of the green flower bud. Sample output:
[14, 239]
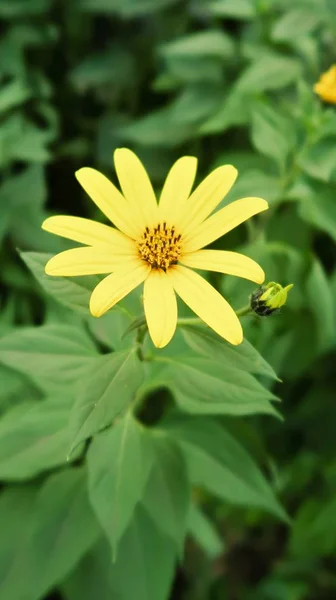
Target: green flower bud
[269, 298]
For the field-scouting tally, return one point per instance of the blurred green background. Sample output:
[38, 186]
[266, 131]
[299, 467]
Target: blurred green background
[230, 81]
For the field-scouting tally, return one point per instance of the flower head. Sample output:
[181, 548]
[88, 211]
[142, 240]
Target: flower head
[158, 244]
[269, 298]
[326, 86]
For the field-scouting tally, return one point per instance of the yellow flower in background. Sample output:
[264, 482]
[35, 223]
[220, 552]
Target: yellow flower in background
[158, 244]
[326, 86]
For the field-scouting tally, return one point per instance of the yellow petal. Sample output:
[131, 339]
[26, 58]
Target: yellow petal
[160, 307]
[136, 187]
[206, 197]
[223, 221]
[116, 286]
[177, 188]
[88, 232]
[222, 261]
[207, 303]
[110, 201]
[85, 261]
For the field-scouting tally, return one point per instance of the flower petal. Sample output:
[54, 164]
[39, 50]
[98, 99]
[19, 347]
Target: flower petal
[136, 187]
[117, 285]
[223, 221]
[207, 303]
[88, 232]
[85, 261]
[222, 261]
[110, 201]
[206, 197]
[177, 188]
[160, 307]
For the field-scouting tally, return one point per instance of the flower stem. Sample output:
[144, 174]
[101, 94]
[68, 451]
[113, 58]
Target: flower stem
[196, 321]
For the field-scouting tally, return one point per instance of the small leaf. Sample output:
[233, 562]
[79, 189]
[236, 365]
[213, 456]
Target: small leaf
[119, 461]
[105, 392]
[204, 532]
[281, 71]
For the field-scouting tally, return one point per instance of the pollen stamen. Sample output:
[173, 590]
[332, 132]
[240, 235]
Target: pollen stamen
[160, 246]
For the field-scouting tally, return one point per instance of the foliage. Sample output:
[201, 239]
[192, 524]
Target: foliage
[204, 487]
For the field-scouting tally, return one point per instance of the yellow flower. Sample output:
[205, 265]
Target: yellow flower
[158, 244]
[326, 86]
[269, 298]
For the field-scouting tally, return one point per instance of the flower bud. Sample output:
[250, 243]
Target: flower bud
[269, 298]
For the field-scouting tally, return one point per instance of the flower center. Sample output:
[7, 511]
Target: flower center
[160, 246]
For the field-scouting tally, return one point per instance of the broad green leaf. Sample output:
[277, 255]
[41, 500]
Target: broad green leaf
[74, 292]
[296, 23]
[14, 387]
[144, 568]
[34, 438]
[13, 94]
[105, 391]
[217, 462]
[317, 204]
[119, 462]
[317, 286]
[203, 43]
[280, 71]
[49, 354]
[60, 530]
[319, 161]
[204, 533]
[202, 386]
[272, 134]
[166, 496]
[314, 531]
[157, 129]
[233, 9]
[18, 191]
[110, 328]
[205, 341]
[233, 111]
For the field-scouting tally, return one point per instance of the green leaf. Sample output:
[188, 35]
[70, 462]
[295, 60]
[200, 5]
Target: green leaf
[314, 531]
[104, 393]
[204, 533]
[144, 568]
[234, 110]
[50, 354]
[14, 387]
[320, 300]
[320, 160]
[218, 463]
[214, 43]
[119, 461]
[57, 532]
[205, 341]
[233, 9]
[13, 94]
[34, 438]
[272, 134]
[296, 23]
[166, 496]
[73, 292]
[317, 204]
[281, 71]
[202, 386]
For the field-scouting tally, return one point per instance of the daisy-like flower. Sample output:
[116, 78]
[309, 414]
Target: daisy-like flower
[158, 244]
[326, 86]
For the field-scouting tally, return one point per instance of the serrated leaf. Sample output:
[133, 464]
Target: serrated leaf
[119, 461]
[202, 386]
[71, 291]
[203, 340]
[105, 392]
[50, 354]
[217, 462]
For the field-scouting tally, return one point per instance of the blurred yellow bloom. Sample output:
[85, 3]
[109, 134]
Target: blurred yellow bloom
[326, 86]
[158, 244]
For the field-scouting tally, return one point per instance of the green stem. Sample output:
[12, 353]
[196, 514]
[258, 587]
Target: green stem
[196, 321]
[141, 333]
